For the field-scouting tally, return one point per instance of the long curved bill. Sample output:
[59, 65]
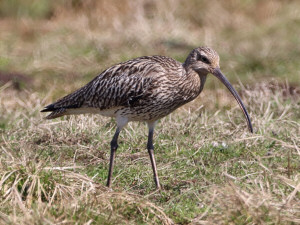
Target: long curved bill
[217, 72]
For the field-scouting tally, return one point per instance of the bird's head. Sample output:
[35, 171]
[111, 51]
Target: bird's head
[205, 60]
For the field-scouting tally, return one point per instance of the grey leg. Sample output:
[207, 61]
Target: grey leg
[114, 146]
[150, 148]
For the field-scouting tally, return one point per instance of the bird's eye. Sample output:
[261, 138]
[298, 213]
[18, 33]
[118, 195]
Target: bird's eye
[203, 59]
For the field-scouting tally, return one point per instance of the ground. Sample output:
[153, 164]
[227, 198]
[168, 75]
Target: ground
[212, 170]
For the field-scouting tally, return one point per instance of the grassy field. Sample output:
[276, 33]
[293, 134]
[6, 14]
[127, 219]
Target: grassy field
[212, 170]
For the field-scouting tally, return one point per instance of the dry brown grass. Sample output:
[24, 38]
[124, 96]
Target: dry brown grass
[44, 165]
[212, 170]
[99, 34]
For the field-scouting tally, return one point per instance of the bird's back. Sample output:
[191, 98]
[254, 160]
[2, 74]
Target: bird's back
[135, 87]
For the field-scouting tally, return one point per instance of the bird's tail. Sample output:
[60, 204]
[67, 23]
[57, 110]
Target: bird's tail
[65, 105]
[55, 112]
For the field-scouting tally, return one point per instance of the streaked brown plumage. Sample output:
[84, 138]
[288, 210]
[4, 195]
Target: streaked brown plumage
[144, 89]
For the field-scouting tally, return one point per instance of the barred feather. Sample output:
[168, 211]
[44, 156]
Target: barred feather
[142, 89]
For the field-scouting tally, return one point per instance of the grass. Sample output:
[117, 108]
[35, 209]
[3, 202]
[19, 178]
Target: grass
[211, 169]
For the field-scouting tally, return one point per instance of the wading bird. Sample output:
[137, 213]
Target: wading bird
[144, 89]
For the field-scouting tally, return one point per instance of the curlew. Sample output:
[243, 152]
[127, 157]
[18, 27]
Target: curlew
[144, 89]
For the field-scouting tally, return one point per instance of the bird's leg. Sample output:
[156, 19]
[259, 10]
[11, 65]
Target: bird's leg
[113, 149]
[150, 148]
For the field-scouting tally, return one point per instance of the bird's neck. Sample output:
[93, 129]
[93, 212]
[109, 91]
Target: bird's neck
[194, 83]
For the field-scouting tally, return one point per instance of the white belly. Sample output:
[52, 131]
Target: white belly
[106, 112]
[117, 112]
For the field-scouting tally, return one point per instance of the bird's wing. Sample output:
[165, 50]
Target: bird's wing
[120, 85]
